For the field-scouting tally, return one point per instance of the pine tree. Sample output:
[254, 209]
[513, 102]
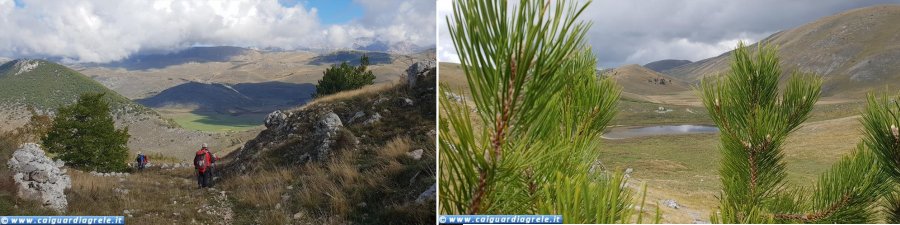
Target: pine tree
[345, 77]
[540, 112]
[84, 136]
[881, 119]
[754, 120]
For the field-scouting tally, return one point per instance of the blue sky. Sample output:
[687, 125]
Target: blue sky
[330, 11]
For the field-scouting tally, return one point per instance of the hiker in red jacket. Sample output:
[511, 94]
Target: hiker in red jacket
[202, 162]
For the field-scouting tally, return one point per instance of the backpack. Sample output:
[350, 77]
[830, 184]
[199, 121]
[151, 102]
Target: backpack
[140, 158]
[200, 161]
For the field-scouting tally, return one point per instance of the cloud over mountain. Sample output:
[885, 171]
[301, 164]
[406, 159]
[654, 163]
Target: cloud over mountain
[642, 31]
[110, 30]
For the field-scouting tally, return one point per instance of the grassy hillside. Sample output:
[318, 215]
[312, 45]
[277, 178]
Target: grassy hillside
[855, 51]
[47, 85]
[637, 79]
[665, 64]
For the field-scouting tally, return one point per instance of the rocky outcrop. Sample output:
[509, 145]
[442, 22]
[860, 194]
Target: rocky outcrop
[422, 88]
[417, 72]
[276, 120]
[317, 131]
[327, 132]
[40, 178]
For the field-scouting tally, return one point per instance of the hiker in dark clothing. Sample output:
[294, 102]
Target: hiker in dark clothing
[202, 162]
[141, 161]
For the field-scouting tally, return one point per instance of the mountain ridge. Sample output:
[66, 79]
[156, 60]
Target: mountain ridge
[854, 51]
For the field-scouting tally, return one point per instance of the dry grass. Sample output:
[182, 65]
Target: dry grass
[351, 186]
[395, 148]
[263, 188]
[364, 91]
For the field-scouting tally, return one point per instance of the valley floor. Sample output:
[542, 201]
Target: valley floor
[684, 168]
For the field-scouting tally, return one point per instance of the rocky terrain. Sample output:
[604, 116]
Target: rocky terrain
[39, 178]
[374, 149]
[855, 51]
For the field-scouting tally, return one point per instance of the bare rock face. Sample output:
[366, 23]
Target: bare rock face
[40, 178]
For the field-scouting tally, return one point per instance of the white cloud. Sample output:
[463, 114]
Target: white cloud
[445, 50]
[109, 30]
[642, 31]
[683, 48]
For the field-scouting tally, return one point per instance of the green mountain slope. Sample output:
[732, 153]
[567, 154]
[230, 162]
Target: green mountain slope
[46, 85]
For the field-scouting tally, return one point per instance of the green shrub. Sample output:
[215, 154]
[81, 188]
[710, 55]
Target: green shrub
[84, 136]
[345, 77]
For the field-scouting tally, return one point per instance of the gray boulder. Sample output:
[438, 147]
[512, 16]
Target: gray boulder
[416, 70]
[39, 178]
[356, 116]
[405, 102]
[275, 119]
[374, 119]
[327, 131]
[427, 195]
[416, 154]
[671, 203]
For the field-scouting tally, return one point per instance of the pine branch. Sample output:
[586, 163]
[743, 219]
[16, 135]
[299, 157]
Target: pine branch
[813, 217]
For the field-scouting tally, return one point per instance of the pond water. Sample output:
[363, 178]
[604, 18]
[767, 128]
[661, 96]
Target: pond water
[630, 132]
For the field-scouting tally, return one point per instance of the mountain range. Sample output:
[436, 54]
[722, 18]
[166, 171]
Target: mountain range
[855, 52]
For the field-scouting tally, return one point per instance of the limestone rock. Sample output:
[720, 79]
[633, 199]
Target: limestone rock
[405, 102]
[416, 154]
[416, 70]
[374, 119]
[275, 119]
[40, 178]
[671, 203]
[427, 195]
[327, 131]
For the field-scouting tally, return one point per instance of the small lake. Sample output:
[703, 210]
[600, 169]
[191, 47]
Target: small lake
[631, 132]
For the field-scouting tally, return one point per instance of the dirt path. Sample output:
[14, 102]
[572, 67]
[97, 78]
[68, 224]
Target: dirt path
[153, 196]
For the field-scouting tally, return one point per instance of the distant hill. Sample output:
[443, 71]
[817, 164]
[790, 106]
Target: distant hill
[351, 57]
[194, 54]
[665, 64]
[643, 81]
[46, 85]
[855, 51]
[375, 45]
[231, 99]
